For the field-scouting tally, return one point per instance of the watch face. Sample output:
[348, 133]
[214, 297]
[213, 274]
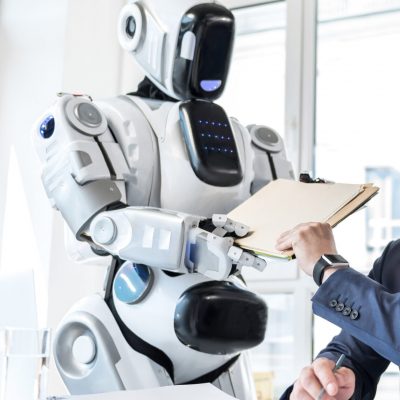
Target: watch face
[335, 259]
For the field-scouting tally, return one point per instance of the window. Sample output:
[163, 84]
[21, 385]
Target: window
[273, 361]
[358, 90]
[19, 237]
[347, 49]
[256, 85]
[357, 126]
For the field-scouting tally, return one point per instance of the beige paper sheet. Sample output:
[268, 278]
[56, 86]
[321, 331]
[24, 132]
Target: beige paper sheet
[283, 204]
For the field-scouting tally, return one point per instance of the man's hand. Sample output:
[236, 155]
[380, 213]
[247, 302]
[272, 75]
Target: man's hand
[309, 242]
[339, 385]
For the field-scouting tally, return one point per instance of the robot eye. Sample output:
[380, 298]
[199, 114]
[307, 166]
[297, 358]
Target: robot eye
[130, 27]
[47, 127]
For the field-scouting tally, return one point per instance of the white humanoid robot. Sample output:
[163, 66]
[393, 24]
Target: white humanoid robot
[138, 177]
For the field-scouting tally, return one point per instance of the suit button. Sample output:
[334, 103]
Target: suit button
[346, 311]
[354, 314]
[333, 303]
[340, 307]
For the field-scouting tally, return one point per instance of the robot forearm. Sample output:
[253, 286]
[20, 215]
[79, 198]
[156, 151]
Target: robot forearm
[170, 240]
[144, 235]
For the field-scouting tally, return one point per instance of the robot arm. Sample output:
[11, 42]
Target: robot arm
[82, 164]
[172, 241]
[83, 174]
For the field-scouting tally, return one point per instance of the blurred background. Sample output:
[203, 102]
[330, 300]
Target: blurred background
[323, 73]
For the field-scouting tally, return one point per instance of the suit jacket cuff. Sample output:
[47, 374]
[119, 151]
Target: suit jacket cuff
[363, 308]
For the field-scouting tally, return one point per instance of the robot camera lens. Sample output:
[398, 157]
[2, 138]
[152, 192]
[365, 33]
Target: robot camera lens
[130, 27]
[47, 127]
[88, 115]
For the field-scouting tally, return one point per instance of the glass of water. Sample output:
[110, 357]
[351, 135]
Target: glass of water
[24, 360]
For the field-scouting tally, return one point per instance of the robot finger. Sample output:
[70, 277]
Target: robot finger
[223, 222]
[219, 231]
[246, 259]
[259, 264]
[219, 220]
[241, 229]
[234, 253]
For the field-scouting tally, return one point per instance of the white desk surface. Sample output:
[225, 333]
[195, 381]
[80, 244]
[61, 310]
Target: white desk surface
[185, 392]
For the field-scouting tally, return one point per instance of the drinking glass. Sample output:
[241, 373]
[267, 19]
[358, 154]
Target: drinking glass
[24, 360]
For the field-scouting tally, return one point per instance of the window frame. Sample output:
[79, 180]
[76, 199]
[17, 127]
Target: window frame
[300, 139]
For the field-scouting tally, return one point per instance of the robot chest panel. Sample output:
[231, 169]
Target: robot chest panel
[203, 170]
[197, 167]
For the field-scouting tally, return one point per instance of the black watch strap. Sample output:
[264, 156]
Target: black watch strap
[327, 260]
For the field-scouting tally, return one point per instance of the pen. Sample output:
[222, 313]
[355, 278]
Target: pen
[338, 364]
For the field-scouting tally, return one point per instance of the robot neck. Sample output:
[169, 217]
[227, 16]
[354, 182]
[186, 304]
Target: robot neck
[149, 90]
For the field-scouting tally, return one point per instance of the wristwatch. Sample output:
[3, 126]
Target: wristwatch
[328, 260]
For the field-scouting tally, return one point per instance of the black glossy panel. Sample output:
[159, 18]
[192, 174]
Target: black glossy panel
[220, 318]
[210, 142]
[214, 28]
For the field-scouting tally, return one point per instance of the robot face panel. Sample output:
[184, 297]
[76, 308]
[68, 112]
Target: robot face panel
[203, 52]
[183, 47]
[210, 142]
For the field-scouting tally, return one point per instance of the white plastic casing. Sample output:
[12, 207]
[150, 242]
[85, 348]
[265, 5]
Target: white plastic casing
[130, 43]
[155, 51]
[194, 196]
[84, 349]
[188, 363]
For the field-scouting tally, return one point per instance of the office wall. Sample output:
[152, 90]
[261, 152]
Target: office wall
[31, 65]
[46, 47]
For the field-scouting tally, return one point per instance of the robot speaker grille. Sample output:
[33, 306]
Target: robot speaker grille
[88, 115]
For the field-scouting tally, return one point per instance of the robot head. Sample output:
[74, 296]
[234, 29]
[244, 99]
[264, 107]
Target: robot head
[183, 46]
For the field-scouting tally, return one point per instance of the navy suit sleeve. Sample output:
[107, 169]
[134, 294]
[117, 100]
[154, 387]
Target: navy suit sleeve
[373, 338]
[375, 310]
[369, 299]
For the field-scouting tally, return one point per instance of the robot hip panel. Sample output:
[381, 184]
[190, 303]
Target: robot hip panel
[152, 320]
[220, 318]
[198, 323]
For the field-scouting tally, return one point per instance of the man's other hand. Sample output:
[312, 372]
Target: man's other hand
[309, 242]
[339, 385]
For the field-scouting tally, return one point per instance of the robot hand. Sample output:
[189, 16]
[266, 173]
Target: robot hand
[215, 254]
[173, 241]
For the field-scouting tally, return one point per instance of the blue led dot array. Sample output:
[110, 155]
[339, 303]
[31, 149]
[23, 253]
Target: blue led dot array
[218, 149]
[212, 123]
[214, 136]
[47, 127]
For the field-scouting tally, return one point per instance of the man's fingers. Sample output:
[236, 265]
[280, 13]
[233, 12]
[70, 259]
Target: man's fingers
[345, 377]
[299, 393]
[313, 379]
[310, 382]
[323, 371]
[285, 245]
[283, 236]
[284, 242]
[303, 395]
